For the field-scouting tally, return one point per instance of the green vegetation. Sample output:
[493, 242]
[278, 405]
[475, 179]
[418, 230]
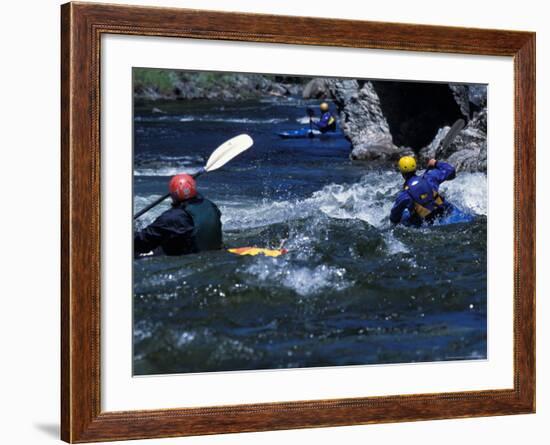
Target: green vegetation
[209, 80]
[162, 81]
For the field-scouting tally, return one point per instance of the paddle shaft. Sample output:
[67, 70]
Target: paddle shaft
[310, 114]
[162, 198]
[450, 137]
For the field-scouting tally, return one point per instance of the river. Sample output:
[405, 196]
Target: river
[353, 290]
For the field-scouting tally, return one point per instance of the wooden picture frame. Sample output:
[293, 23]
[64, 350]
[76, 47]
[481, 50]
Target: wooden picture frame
[82, 26]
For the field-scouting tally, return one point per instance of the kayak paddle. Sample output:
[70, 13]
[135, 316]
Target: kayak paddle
[310, 113]
[219, 157]
[451, 134]
[449, 137]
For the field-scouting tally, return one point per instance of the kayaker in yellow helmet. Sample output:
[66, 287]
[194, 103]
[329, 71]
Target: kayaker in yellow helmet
[328, 121]
[420, 201]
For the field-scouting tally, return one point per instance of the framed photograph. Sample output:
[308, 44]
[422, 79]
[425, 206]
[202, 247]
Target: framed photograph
[266, 227]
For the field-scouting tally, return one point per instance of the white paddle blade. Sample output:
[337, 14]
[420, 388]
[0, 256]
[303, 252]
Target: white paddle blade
[227, 151]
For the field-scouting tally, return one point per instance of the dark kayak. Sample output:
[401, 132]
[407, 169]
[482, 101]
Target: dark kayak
[306, 132]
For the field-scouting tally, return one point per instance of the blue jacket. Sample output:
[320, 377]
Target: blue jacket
[326, 123]
[419, 200]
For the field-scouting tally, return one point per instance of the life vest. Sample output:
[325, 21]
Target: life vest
[207, 226]
[427, 201]
[330, 123]
[331, 120]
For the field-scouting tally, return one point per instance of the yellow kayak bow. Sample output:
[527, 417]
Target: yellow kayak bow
[257, 251]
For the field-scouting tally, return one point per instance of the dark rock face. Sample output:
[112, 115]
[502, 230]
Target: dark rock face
[477, 94]
[384, 120]
[416, 111]
[470, 98]
[461, 96]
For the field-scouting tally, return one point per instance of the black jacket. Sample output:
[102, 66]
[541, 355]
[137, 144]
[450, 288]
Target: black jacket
[191, 226]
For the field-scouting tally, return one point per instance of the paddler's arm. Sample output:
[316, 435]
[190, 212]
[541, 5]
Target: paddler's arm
[146, 240]
[439, 171]
[402, 202]
[323, 122]
[171, 224]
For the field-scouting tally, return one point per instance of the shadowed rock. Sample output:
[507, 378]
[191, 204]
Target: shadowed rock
[415, 111]
[460, 94]
[362, 119]
[468, 151]
[316, 89]
[384, 120]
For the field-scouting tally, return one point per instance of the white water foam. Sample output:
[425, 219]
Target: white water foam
[243, 120]
[166, 171]
[168, 165]
[208, 118]
[304, 281]
[468, 191]
[305, 119]
[369, 200]
[393, 245]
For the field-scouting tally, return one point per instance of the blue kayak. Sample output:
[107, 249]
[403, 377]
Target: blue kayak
[306, 132]
[456, 216]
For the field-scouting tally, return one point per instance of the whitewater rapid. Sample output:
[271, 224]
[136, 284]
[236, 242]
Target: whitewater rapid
[352, 289]
[369, 200]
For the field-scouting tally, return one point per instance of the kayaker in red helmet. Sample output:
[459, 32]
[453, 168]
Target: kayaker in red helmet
[192, 224]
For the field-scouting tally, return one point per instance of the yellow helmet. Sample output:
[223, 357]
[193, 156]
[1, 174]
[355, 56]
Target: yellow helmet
[324, 106]
[407, 164]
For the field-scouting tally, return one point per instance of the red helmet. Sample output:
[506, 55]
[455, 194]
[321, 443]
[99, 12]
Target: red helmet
[182, 187]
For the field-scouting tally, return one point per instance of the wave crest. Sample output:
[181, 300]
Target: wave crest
[369, 200]
[303, 280]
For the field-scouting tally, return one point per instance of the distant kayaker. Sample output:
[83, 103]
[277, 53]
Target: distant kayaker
[192, 224]
[420, 201]
[327, 122]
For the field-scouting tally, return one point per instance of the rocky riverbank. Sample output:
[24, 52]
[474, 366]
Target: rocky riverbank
[384, 120]
[158, 84]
